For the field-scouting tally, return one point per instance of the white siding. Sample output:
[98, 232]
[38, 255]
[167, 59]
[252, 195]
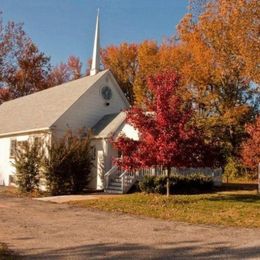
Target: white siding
[6, 167]
[90, 108]
[129, 131]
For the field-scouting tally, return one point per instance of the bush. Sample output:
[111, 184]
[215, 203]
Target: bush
[67, 166]
[27, 163]
[147, 184]
[195, 183]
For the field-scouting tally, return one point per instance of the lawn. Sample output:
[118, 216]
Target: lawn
[232, 208]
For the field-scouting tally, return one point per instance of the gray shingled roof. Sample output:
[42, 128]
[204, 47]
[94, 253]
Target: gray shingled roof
[41, 110]
[108, 125]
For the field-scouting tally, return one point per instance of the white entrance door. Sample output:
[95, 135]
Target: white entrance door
[100, 170]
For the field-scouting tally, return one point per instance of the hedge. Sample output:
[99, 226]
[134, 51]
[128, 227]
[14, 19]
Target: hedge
[179, 184]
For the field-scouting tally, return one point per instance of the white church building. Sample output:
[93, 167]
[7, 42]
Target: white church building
[94, 102]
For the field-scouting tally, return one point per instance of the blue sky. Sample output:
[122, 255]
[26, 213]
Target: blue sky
[66, 27]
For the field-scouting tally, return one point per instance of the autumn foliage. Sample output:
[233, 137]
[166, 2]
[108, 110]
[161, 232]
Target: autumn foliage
[216, 52]
[65, 71]
[24, 69]
[167, 136]
[133, 63]
[251, 148]
[123, 60]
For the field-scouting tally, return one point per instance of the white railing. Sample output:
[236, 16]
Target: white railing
[127, 180]
[215, 173]
[110, 175]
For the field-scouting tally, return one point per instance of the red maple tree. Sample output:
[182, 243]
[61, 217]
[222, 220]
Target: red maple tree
[167, 138]
[251, 148]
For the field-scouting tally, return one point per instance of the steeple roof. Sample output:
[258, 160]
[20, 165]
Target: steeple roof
[95, 66]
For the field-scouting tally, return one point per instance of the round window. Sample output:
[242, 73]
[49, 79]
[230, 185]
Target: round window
[106, 93]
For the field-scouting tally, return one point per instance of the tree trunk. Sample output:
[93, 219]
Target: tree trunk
[168, 181]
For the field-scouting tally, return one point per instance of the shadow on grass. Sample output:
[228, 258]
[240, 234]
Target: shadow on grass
[236, 187]
[246, 198]
[184, 250]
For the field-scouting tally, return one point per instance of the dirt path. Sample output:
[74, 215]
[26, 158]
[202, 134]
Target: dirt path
[58, 231]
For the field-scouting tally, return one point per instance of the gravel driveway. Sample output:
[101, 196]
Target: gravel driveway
[46, 230]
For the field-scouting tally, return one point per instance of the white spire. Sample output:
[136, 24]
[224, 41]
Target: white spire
[95, 66]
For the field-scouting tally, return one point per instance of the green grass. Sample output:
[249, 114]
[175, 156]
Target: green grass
[233, 208]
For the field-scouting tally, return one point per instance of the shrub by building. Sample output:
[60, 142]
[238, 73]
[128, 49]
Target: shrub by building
[67, 165]
[64, 165]
[27, 162]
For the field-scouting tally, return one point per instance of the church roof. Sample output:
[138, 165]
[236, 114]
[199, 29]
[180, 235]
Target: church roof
[108, 125]
[41, 110]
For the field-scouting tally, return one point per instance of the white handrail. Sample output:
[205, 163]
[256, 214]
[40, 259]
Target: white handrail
[127, 185]
[122, 177]
[127, 178]
[122, 174]
[111, 170]
[109, 174]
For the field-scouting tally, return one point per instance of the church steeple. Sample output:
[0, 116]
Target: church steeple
[95, 66]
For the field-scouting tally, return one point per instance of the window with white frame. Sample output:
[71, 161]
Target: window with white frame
[15, 145]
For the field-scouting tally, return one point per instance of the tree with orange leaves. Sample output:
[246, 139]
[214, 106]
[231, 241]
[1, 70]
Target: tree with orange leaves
[131, 64]
[223, 56]
[217, 56]
[122, 61]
